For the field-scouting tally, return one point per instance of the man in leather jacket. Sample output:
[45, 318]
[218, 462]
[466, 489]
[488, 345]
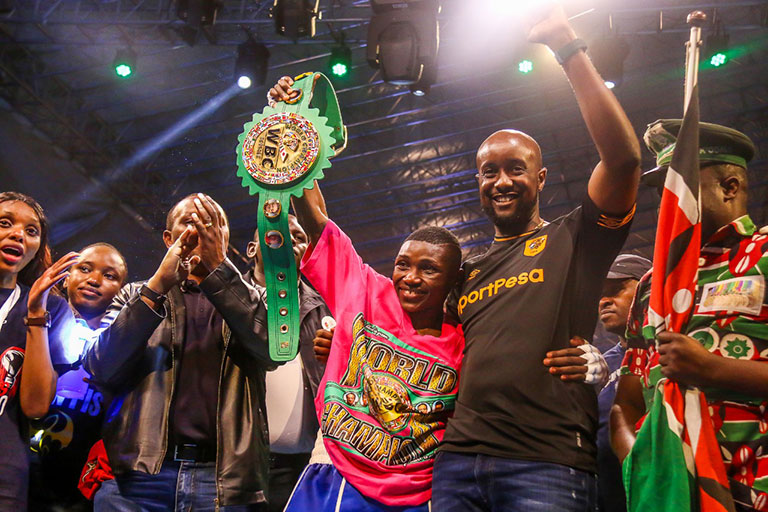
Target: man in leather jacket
[186, 360]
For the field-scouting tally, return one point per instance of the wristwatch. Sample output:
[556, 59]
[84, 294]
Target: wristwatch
[38, 321]
[282, 151]
[156, 298]
[569, 50]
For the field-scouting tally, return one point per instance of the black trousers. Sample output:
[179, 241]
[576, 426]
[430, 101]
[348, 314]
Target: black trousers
[284, 471]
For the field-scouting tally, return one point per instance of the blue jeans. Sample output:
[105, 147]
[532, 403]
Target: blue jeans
[179, 486]
[109, 499]
[473, 482]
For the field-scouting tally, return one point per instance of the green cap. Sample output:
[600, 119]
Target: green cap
[716, 144]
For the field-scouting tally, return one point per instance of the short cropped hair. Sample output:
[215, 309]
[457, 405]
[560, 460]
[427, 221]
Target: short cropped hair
[112, 247]
[437, 236]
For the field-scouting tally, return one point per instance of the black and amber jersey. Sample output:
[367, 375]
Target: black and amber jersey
[524, 297]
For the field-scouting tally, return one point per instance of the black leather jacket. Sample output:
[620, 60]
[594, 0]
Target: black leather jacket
[136, 360]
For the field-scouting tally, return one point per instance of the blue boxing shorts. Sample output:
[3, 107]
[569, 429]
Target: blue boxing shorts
[321, 488]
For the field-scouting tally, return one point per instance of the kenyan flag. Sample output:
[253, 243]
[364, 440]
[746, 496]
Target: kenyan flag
[675, 464]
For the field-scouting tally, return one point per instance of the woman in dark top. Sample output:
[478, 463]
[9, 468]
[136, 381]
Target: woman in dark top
[34, 327]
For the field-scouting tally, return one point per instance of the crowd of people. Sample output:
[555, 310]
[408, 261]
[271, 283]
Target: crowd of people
[452, 386]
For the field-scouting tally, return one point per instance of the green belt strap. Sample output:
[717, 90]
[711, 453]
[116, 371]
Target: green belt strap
[282, 151]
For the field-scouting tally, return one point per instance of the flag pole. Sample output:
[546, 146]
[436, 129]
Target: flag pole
[696, 20]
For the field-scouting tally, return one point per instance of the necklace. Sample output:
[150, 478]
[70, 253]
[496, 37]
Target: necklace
[512, 237]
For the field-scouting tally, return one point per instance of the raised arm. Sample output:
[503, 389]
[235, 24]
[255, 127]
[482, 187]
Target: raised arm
[311, 213]
[614, 181]
[38, 377]
[113, 358]
[310, 208]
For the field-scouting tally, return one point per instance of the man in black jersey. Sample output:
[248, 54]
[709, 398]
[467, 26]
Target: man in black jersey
[522, 438]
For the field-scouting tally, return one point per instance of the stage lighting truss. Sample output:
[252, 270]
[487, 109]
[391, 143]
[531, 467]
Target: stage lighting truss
[403, 39]
[716, 47]
[608, 55]
[296, 18]
[251, 64]
[124, 63]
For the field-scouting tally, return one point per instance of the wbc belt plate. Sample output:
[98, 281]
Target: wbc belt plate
[282, 151]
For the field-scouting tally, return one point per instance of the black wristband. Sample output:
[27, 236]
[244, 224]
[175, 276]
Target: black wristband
[152, 295]
[569, 50]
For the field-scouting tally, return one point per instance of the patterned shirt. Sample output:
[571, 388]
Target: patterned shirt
[730, 321]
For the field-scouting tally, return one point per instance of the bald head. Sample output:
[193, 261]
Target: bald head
[513, 142]
[510, 177]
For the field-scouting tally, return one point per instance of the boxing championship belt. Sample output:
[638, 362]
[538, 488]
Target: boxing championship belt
[281, 152]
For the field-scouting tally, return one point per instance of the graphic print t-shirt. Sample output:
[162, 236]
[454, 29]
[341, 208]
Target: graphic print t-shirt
[387, 390]
[65, 435]
[524, 297]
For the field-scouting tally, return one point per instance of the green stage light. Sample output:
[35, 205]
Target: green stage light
[341, 60]
[123, 70]
[716, 47]
[339, 69]
[124, 63]
[525, 66]
[718, 59]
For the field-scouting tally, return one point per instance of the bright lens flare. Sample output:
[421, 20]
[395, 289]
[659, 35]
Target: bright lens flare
[525, 67]
[244, 82]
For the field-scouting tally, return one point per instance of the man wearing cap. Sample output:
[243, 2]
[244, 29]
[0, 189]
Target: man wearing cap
[725, 348]
[613, 310]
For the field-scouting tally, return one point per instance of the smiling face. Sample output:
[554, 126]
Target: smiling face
[614, 304]
[424, 273]
[20, 235]
[510, 177]
[95, 279]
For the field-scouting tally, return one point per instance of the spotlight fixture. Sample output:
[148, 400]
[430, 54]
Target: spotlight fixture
[198, 17]
[424, 84]
[403, 38]
[340, 62]
[251, 64]
[608, 55]
[197, 13]
[124, 63]
[716, 46]
[295, 18]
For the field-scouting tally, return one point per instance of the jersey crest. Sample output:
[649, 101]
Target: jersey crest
[535, 245]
